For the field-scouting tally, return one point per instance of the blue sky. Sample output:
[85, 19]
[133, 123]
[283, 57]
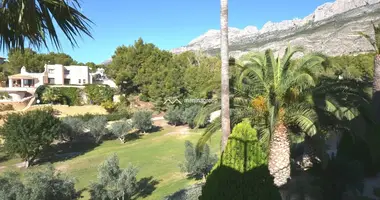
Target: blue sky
[171, 23]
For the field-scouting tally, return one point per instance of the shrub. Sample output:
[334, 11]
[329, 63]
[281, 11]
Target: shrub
[52, 95]
[70, 95]
[113, 182]
[109, 106]
[241, 172]
[197, 166]
[4, 95]
[174, 116]
[41, 184]
[29, 134]
[191, 193]
[72, 127]
[189, 115]
[142, 120]
[39, 91]
[98, 94]
[6, 107]
[121, 129]
[97, 127]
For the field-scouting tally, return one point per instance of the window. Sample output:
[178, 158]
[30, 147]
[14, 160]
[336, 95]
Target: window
[78, 80]
[67, 71]
[51, 71]
[66, 81]
[84, 81]
[51, 80]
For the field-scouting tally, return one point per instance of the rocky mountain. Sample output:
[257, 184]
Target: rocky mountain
[331, 29]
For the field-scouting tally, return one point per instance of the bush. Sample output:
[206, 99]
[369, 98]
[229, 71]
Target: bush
[142, 120]
[110, 117]
[39, 91]
[6, 107]
[113, 182]
[52, 95]
[72, 127]
[4, 95]
[109, 106]
[189, 115]
[194, 166]
[121, 129]
[71, 95]
[174, 116]
[29, 134]
[191, 193]
[98, 94]
[97, 127]
[41, 184]
[241, 172]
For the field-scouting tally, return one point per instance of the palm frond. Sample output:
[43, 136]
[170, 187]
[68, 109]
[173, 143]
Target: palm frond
[369, 39]
[32, 22]
[304, 117]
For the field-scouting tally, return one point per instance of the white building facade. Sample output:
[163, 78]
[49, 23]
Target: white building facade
[53, 75]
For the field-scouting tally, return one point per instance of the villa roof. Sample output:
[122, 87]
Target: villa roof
[21, 76]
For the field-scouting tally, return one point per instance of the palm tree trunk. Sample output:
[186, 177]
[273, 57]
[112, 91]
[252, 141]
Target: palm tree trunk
[225, 111]
[376, 88]
[279, 155]
[309, 153]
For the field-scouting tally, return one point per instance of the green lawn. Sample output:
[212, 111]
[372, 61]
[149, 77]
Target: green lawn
[156, 155]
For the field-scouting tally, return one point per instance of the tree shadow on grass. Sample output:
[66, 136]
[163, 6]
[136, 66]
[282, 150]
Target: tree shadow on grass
[66, 151]
[146, 186]
[155, 129]
[78, 194]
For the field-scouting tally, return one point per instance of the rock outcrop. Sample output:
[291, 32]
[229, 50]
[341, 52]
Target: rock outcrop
[331, 29]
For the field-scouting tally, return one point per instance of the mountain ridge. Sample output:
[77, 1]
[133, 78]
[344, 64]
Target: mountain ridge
[330, 25]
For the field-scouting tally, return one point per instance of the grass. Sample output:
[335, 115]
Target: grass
[157, 156]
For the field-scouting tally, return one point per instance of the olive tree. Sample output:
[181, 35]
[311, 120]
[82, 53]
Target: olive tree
[120, 129]
[142, 120]
[29, 134]
[113, 182]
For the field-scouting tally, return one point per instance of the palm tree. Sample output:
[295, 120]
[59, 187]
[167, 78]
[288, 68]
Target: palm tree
[375, 42]
[31, 22]
[225, 111]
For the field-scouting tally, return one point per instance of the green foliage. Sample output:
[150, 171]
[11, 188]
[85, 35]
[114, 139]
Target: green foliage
[120, 129]
[4, 95]
[142, 120]
[195, 166]
[36, 24]
[113, 182]
[52, 95]
[357, 67]
[241, 172]
[190, 114]
[97, 127]
[41, 184]
[156, 74]
[29, 134]
[72, 127]
[190, 193]
[71, 95]
[98, 94]
[174, 116]
[109, 106]
[109, 117]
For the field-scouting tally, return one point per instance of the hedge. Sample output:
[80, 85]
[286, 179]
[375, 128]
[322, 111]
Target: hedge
[110, 117]
[98, 94]
[241, 172]
[70, 95]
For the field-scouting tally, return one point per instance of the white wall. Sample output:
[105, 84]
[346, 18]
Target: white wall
[56, 72]
[79, 75]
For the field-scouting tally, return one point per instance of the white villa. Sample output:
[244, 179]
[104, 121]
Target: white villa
[24, 84]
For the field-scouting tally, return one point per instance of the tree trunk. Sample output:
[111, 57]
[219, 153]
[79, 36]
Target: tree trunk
[279, 155]
[225, 96]
[376, 88]
[308, 154]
